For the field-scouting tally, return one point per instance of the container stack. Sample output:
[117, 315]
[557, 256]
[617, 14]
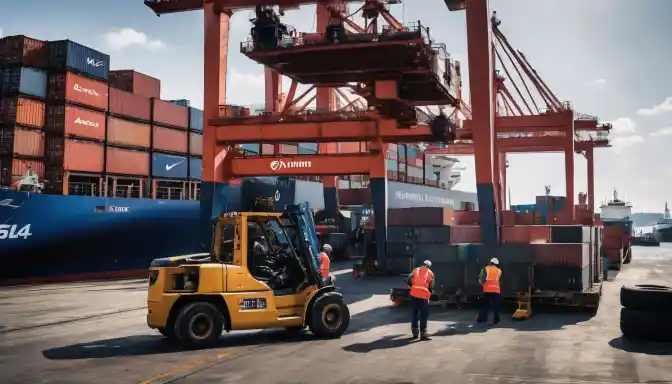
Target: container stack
[195, 144]
[170, 148]
[75, 117]
[23, 92]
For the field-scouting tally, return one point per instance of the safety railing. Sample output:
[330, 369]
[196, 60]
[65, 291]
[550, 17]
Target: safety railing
[84, 189]
[170, 193]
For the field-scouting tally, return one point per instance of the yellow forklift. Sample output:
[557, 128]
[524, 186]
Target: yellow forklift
[262, 273]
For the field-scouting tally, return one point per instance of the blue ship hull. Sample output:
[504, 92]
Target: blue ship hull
[63, 238]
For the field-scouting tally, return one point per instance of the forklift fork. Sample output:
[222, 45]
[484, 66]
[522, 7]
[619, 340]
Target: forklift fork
[524, 300]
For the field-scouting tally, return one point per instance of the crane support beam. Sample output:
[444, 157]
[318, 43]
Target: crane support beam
[304, 165]
[321, 132]
[468, 149]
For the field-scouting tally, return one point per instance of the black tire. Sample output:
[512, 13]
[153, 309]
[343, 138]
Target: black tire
[168, 332]
[647, 297]
[646, 325]
[330, 316]
[199, 325]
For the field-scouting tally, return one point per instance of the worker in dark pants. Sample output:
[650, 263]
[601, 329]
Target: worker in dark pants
[489, 280]
[421, 281]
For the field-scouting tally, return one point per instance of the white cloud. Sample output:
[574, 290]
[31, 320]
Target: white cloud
[245, 88]
[662, 132]
[664, 107]
[618, 144]
[1, 35]
[623, 126]
[598, 82]
[128, 37]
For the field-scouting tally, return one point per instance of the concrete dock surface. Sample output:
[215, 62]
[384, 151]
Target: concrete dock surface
[95, 332]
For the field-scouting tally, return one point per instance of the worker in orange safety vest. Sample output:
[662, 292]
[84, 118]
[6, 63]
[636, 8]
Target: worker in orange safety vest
[421, 281]
[489, 280]
[325, 261]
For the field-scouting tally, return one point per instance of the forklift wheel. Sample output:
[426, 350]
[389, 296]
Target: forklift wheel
[169, 333]
[330, 316]
[199, 325]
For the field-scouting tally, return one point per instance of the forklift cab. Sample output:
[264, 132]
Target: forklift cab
[262, 273]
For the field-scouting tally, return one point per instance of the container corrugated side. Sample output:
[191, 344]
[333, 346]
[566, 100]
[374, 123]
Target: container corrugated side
[23, 111]
[127, 162]
[23, 50]
[73, 121]
[195, 119]
[195, 168]
[131, 105]
[167, 113]
[17, 141]
[66, 54]
[79, 90]
[24, 80]
[130, 133]
[169, 166]
[135, 82]
[171, 140]
[195, 144]
[74, 155]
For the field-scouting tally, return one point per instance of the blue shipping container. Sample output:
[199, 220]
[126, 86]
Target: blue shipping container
[195, 168]
[181, 102]
[66, 54]
[195, 119]
[25, 80]
[169, 166]
[309, 146]
[305, 151]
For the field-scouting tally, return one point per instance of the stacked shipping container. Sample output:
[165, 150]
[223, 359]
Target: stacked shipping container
[23, 92]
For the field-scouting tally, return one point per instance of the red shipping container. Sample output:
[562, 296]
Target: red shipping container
[125, 132]
[615, 256]
[562, 255]
[135, 82]
[22, 111]
[69, 120]
[74, 155]
[127, 162]
[22, 142]
[289, 149]
[195, 144]
[354, 196]
[526, 234]
[462, 234]
[356, 147]
[421, 216]
[78, 90]
[130, 105]
[165, 112]
[267, 149]
[19, 168]
[526, 218]
[466, 218]
[22, 50]
[172, 140]
[508, 218]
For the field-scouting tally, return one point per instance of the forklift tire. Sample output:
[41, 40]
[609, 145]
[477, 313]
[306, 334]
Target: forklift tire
[168, 332]
[647, 297]
[646, 325]
[199, 325]
[330, 316]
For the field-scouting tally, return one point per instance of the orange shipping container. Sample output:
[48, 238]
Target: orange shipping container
[467, 217]
[19, 167]
[22, 111]
[127, 162]
[124, 132]
[22, 142]
[69, 120]
[166, 139]
[75, 155]
[195, 144]
[460, 234]
[355, 147]
[526, 234]
[129, 104]
[165, 112]
[79, 90]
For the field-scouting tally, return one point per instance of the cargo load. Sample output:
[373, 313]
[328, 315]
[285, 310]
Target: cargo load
[128, 133]
[195, 168]
[20, 50]
[122, 161]
[136, 83]
[78, 90]
[72, 121]
[21, 142]
[195, 144]
[74, 155]
[66, 55]
[195, 119]
[129, 105]
[22, 111]
[170, 140]
[169, 166]
[169, 114]
[23, 81]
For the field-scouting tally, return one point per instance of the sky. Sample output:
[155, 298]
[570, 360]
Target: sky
[610, 58]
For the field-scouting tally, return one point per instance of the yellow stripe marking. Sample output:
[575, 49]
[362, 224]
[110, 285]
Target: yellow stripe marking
[186, 367]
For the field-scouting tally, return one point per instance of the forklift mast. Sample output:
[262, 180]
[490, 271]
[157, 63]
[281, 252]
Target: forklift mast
[303, 217]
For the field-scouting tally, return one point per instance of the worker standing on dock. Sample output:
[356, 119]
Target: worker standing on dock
[421, 281]
[489, 279]
[325, 261]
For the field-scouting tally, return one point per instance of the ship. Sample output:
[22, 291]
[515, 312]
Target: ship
[617, 212]
[663, 228]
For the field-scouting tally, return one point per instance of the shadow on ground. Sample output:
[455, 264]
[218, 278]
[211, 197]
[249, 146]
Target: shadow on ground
[142, 345]
[644, 347]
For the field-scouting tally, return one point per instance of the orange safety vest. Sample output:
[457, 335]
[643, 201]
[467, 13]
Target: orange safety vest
[420, 281]
[492, 275]
[324, 265]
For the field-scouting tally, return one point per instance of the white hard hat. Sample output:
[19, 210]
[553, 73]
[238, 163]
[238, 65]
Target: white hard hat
[494, 261]
[326, 247]
[427, 263]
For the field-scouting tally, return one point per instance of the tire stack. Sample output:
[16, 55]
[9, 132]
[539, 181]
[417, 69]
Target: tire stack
[647, 312]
